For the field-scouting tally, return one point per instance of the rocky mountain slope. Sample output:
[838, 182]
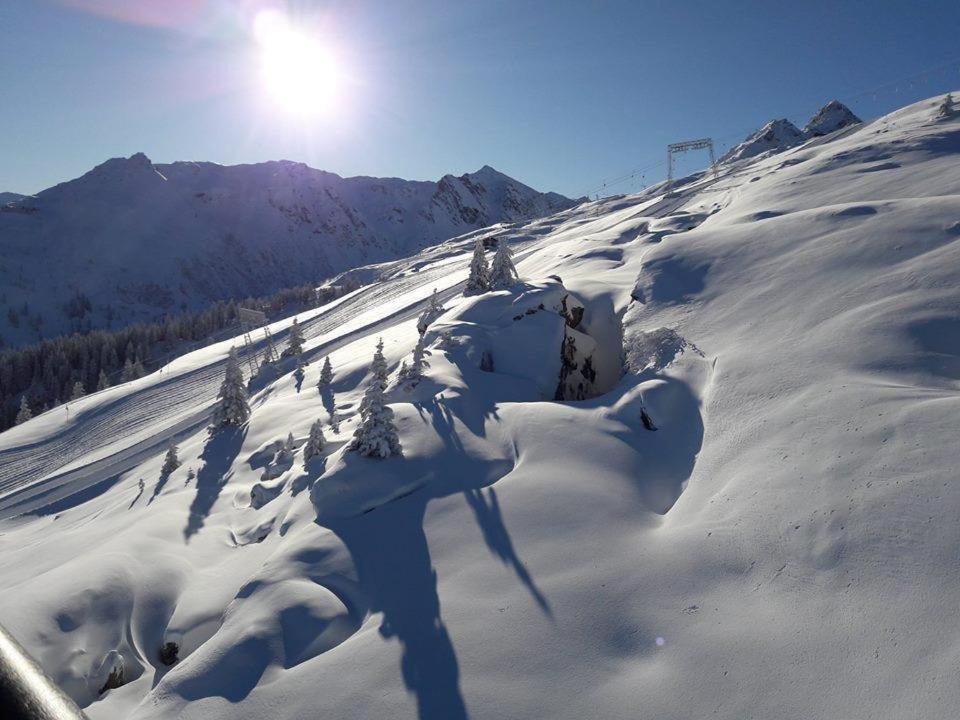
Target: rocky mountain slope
[775, 135]
[133, 240]
[831, 117]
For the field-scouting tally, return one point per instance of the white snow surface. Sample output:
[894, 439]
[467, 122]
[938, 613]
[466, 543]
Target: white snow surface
[784, 544]
[143, 240]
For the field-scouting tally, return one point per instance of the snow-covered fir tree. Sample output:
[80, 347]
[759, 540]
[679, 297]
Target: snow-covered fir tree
[434, 310]
[78, 391]
[129, 373]
[315, 442]
[289, 447]
[479, 279]
[334, 421]
[946, 107]
[23, 414]
[102, 382]
[379, 367]
[413, 373]
[326, 374]
[503, 274]
[232, 408]
[170, 461]
[294, 341]
[376, 435]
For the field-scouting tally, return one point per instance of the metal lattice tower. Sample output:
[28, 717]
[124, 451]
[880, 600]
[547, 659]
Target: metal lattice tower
[250, 320]
[270, 354]
[251, 355]
[685, 146]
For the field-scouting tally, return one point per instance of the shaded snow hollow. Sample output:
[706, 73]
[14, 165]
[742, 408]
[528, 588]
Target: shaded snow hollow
[783, 544]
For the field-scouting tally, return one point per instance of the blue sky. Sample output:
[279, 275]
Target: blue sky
[560, 95]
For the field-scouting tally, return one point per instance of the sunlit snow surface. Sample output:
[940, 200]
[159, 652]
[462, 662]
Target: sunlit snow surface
[783, 545]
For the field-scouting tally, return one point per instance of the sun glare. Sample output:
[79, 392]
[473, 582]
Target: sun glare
[299, 73]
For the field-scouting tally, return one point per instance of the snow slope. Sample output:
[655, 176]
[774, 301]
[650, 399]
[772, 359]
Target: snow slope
[140, 240]
[782, 545]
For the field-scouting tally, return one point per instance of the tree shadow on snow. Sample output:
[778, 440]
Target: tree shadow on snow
[326, 397]
[218, 456]
[390, 550]
[485, 507]
[486, 510]
[314, 469]
[473, 413]
[158, 488]
[394, 566]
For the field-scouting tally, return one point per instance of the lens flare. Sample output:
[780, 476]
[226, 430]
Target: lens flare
[298, 72]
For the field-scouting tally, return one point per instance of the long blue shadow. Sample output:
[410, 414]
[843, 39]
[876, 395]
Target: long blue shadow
[218, 455]
[393, 562]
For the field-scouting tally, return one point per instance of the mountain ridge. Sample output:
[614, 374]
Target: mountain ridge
[155, 238]
[9, 197]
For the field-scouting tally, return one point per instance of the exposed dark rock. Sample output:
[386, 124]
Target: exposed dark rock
[647, 420]
[169, 653]
[116, 678]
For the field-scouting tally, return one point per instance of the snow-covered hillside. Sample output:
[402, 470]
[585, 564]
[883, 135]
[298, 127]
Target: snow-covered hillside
[752, 515]
[9, 197]
[133, 240]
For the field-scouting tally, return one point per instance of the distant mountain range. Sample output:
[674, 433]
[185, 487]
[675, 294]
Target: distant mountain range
[133, 240]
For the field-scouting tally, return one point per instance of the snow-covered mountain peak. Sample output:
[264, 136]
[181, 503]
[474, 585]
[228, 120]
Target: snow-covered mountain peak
[117, 180]
[830, 118]
[775, 135]
[778, 135]
[487, 174]
[136, 162]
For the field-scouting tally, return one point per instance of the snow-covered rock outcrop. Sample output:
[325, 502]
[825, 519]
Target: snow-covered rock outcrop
[830, 118]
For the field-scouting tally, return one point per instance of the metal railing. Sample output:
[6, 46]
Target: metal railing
[26, 693]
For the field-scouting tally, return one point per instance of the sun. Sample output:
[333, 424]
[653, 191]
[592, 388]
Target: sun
[298, 72]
